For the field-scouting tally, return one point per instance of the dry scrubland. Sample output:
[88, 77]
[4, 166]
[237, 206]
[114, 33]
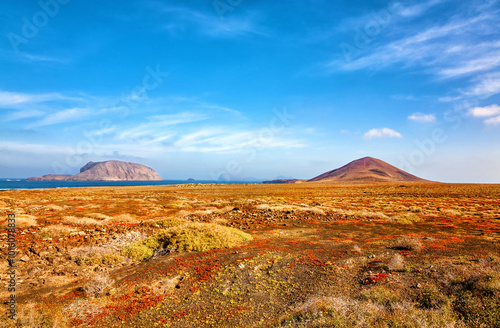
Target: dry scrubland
[304, 255]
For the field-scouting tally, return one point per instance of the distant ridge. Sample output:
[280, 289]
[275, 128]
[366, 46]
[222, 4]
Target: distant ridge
[107, 171]
[367, 169]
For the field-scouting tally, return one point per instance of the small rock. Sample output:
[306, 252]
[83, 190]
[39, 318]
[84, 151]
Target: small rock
[25, 258]
[34, 271]
[371, 256]
[418, 286]
[241, 266]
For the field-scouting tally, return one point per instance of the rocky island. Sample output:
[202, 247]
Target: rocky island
[106, 171]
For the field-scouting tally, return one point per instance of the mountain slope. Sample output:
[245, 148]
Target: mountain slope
[108, 171]
[367, 169]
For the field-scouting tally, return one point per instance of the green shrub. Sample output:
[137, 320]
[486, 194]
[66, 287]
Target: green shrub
[431, 298]
[478, 311]
[188, 237]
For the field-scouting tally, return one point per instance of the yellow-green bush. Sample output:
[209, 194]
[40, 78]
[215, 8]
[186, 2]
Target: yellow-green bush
[188, 237]
[408, 218]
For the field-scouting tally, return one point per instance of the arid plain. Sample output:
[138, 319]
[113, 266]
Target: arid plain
[283, 255]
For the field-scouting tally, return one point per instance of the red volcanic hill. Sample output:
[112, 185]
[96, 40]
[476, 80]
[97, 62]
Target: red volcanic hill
[107, 171]
[367, 169]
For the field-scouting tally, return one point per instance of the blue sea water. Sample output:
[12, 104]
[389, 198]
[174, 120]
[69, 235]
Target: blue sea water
[16, 184]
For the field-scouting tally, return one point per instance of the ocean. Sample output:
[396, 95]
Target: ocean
[19, 184]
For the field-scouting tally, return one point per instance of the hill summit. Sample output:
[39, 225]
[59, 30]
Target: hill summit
[367, 169]
[107, 171]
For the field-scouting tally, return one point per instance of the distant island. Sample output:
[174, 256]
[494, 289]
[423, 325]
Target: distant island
[191, 180]
[278, 181]
[106, 171]
[241, 177]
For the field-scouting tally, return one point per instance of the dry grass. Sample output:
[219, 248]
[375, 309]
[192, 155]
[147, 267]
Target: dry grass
[22, 221]
[407, 244]
[290, 208]
[69, 219]
[54, 231]
[98, 216]
[380, 309]
[125, 218]
[106, 252]
[53, 207]
[396, 263]
[96, 284]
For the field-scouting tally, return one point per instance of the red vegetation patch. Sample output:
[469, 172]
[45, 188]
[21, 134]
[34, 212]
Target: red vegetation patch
[376, 278]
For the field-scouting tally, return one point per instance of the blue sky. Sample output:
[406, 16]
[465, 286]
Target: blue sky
[258, 88]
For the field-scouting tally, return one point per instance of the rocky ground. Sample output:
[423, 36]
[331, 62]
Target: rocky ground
[382, 255]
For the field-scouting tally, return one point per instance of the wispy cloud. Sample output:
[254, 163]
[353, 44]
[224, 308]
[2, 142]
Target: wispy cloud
[462, 47]
[182, 18]
[23, 114]
[223, 140]
[15, 99]
[423, 118]
[64, 116]
[382, 133]
[483, 86]
[418, 9]
[156, 129]
[205, 105]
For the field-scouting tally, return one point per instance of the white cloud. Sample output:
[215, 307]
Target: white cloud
[66, 115]
[22, 114]
[424, 118]
[493, 121]
[484, 86]
[14, 99]
[155, 128]
[382, 133]
[418, 9]
[223, 140]
[487, 111]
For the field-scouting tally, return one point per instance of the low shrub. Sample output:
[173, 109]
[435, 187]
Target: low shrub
[408, 218]
[431, 298]
[168, 222]
[407, 244]
[188, 237]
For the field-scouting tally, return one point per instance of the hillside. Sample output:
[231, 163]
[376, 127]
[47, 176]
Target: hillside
[367, 169]
[107, 171]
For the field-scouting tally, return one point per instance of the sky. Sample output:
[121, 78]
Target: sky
[267, 89]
